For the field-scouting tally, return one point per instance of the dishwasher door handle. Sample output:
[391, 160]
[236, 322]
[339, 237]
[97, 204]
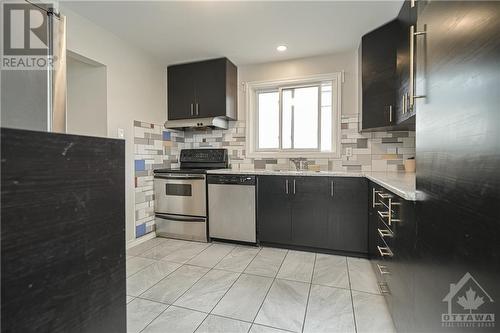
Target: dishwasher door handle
[180, 218]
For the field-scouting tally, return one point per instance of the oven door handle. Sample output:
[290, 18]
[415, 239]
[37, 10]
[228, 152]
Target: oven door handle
[179, 177]
[180, 218]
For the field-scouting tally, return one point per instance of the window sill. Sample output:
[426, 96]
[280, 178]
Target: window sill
[282, 154]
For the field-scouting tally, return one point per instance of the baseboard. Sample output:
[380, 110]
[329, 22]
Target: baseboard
[138, 241]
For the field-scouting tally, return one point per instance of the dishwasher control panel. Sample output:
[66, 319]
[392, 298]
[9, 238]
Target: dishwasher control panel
[231, 179]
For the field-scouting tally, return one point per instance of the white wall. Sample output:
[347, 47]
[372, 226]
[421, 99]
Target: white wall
[86, 112]
[345, 61]
[135, 89]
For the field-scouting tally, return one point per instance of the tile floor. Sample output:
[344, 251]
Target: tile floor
[177, 286]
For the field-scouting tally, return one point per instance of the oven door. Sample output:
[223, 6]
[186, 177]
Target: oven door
[180, 194]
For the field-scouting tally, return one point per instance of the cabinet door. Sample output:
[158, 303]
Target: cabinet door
[310, 211]
[273, 210]
[210, 85]
[348, 215]
[378, 57]
[181, 98]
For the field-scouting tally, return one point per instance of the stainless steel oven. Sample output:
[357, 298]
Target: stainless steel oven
[180, 194]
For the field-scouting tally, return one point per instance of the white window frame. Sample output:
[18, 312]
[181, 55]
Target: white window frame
[252, 88]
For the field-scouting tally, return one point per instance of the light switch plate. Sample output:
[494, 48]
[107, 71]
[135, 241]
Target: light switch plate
[121, 133]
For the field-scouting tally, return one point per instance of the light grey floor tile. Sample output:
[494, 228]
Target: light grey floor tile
[264, 329]
[238, 259]
[215, 324]
[205, 293]
[362, 276]
[146, 278]
[371, 313]
[141, 248]
[135, 264]
[285, 305]
[267, 262]
[210, 256]
[130, 299]
[176, 320]
[164, 249]
[141, 312]
[174, 285]
[185, 252]
[330, 270]
[329, 310]
[244, 298]
[298, 266]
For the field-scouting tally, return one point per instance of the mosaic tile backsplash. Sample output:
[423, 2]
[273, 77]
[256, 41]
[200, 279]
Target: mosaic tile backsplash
[159, 148]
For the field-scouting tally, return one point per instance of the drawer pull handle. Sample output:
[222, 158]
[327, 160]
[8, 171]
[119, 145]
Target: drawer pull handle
[384, 288]
[385, 233]
[385, 251]
[383, 269]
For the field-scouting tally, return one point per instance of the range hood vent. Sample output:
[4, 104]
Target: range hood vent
[212, 122]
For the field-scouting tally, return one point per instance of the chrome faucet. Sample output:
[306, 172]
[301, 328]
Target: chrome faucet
[300, 163]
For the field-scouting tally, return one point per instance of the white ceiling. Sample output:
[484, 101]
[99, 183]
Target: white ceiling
[245, 32]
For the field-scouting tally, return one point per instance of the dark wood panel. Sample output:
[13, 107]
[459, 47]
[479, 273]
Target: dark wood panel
[458, 156]
[181, 91]
[378, 57]
[63, 233]
[348, 215]
[274, 210]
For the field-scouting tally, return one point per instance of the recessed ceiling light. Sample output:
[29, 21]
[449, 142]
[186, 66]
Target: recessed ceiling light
[281, 48]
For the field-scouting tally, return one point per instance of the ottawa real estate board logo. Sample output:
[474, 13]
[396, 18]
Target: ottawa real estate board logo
[25, 36]
[468, 305]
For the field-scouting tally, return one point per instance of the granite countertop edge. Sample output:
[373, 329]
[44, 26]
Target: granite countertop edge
[400, 183]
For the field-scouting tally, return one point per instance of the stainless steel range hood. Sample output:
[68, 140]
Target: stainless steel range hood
[213, 122]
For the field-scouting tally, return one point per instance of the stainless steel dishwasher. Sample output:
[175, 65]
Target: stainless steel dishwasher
[231, 207]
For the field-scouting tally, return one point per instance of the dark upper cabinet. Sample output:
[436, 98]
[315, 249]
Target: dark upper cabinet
[202, 89]
[405, 112]
[385, 74]
[313, 212]
[348, 214]
[378, 77]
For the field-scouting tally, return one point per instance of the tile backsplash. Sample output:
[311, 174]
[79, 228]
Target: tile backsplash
[159, 148]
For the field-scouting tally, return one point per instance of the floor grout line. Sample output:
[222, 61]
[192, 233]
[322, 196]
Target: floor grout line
[308, 294]
[350, 291]
[270, 286]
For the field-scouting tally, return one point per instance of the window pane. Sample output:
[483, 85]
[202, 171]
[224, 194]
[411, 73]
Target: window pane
[268, 126]
[305, 118]
[287, 118]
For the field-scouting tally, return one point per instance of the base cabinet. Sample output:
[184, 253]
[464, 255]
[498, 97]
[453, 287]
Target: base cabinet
[313, 212]
[392, 247]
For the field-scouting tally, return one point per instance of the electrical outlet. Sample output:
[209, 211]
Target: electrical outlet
[348, 151]
[121, 133]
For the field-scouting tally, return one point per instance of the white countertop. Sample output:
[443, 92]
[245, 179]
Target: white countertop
[400, 183]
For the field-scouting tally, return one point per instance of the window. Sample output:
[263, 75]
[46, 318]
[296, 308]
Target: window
[294, 117]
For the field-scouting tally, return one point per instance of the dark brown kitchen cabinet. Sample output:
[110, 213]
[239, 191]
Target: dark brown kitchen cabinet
[378, 77]
[405, 112]
[325, 213]
[202, 89]
[348, 214]
[310, 199]
[274, 210]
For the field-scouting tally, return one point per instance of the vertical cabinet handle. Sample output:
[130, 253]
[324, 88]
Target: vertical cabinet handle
[331, 189]
[411, 83]
[390, 113]
[286, 186]
[294, 186]
[192, 109]
[197, 109]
